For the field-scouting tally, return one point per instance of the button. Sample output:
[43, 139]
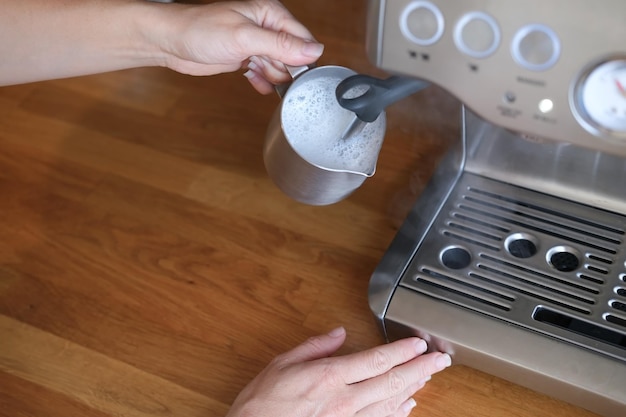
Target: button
[422, 23]
[477, 34]
[536, 47]
[510, 97]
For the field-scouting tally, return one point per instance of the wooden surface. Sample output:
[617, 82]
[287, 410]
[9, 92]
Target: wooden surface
[148, 267]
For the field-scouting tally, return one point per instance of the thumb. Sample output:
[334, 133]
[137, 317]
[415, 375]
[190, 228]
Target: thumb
[316, 347]
[284, 47]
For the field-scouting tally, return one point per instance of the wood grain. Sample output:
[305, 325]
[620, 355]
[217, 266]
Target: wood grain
[148, 266]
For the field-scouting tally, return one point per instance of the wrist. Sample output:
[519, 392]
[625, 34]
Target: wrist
[167, 30]
[153, 27]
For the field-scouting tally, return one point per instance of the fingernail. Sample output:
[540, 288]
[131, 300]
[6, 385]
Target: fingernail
[313, 49]
[420, 346]
[339, 331]
[408, 405]
[255, 62]
[249, 74]
[443, 361]
[253, 66]
[425, 380]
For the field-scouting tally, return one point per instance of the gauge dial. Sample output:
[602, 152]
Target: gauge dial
[601, 99]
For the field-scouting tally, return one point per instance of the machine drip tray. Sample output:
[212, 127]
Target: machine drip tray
[580, 327]
[545, 264]
[516, 283]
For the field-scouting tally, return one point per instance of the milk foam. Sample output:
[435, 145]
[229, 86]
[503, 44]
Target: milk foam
[313, 122]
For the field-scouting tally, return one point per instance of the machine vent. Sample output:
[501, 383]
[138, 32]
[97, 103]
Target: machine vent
[543, 263]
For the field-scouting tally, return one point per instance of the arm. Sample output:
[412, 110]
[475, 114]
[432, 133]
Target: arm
[45, 39]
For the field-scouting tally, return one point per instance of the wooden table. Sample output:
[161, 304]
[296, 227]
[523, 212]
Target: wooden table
[148, 266]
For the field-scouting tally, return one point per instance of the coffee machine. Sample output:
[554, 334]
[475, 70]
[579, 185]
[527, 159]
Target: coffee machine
[513, 259]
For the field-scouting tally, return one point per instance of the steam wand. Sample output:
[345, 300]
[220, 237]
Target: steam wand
[379, 95]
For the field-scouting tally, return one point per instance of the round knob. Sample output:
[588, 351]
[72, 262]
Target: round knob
[477, 34]
[536, 47]
[422, 23]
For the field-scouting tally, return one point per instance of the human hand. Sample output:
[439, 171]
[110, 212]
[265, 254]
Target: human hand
[306, 382]
[227, 36]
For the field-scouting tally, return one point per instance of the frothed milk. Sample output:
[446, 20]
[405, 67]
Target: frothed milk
[313, 122]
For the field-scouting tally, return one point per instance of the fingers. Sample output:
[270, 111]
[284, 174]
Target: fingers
[314, 348]
[280, 46]
[258, 82]
[273, 15]
[307, 380]
[276, 38]
[272, 71]
[399, 405]
[406, 408]
[405, 378]
[377, 361]
[265, 72]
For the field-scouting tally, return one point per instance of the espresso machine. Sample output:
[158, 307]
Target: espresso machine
[513, 259]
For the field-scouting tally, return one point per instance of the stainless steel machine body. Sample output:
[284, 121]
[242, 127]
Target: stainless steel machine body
[514, 257]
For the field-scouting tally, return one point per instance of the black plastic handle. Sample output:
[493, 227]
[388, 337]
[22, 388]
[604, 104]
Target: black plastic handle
[379, 95]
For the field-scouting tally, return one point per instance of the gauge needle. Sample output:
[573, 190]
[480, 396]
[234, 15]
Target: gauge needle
[621, 88]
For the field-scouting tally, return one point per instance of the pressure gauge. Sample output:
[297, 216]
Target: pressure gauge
[600, 99]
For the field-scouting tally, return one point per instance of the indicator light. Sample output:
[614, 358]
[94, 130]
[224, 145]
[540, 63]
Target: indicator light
[546, 105]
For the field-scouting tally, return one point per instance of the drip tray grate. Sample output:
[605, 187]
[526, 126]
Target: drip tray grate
[546, 264]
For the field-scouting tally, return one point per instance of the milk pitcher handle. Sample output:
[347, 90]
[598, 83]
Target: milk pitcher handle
[281, 89]
[295, 71]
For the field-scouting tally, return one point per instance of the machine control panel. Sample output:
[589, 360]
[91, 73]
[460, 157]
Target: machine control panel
[553, 70]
